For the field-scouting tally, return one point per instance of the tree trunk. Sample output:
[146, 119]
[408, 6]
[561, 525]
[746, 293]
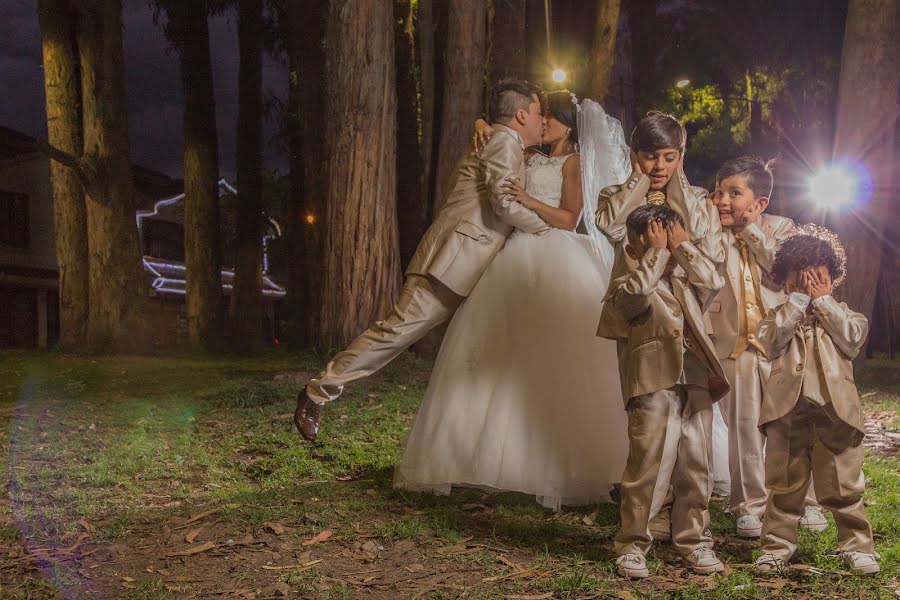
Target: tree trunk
[869, 78]
[603, 52]
[507, 41]
[63, 97]
[425, 33]
[412, 203]
[189, 31]
[117, 290]
[463, 87]
[306, 81]
[246, 297]
[362, 264]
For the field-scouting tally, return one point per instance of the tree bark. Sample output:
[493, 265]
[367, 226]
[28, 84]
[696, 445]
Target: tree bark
[412, 202]
[603, 52]
[463, 89]
[869, 78]
[507, 41]
[63, 101]
[306, 82]
[246, 297]
[425, 34]
[188, 30]
[362, 264]
[117, 290]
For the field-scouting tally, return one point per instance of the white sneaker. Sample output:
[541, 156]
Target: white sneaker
[861, 563]
[767, 563]
[814, 520]
[633, 566]
[749, 526]
[661, 526]
[704, 560]
[721, 488]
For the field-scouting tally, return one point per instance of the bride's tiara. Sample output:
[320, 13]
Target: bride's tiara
[575, 101]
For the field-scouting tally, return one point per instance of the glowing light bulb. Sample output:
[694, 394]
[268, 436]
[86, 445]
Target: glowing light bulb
[683, 83]
[310, 219]
[559, 75]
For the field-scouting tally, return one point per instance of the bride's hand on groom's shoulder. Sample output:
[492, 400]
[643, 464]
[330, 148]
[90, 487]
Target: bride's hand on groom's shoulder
[481, 134]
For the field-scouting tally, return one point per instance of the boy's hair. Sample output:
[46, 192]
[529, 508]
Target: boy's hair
[639, 219]
[758, 173]
[509, 96]
[811, 246]
[658, 130]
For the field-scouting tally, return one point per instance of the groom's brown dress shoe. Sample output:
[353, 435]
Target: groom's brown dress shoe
[306, 416]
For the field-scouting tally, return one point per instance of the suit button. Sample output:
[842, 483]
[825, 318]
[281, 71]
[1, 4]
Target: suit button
[749, 306]
[754, 237]
[676, 334]
[630, 185]
[799, 367]
[676, 313]
[748, 278]
[751, 337]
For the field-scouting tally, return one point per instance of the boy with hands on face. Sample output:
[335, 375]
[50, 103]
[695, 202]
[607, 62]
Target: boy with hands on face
[670, 377]
[811, 413]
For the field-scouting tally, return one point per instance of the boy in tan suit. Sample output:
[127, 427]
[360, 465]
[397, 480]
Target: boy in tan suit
[750, 238]
[671, 378]
[811, 414]
[658, 144]
[464, 238]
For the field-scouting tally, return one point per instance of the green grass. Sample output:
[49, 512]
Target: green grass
[126, 444]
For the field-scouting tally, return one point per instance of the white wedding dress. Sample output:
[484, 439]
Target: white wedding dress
[524, 396]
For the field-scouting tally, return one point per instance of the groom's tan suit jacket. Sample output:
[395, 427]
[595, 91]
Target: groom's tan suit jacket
[655, 323]
[477, 217]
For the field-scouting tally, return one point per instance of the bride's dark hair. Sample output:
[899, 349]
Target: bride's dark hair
[561, 106]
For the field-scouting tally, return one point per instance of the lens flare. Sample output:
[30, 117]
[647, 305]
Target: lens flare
[841, 186]
[559, 75]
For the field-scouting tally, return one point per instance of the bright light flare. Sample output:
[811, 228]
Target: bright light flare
[682, 83]
[840, 186]
[558, 75]
[310, 219]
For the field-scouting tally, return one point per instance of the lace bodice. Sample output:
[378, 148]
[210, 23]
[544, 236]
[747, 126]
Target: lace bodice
[544, 178]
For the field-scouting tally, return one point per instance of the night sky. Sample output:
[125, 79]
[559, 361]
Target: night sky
[152, 81]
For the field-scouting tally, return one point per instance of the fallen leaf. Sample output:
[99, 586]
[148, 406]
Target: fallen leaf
[190, 537]
[128, 579]
[509, 563]
[194, 549]
[625, 595]
[275, 528]
[87, 526]
[319, 538]
[587, 520]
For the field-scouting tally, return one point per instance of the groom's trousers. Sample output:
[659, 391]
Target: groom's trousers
[424, 303]
[670, 441]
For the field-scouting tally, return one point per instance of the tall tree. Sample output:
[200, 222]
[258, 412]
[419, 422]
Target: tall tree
[361, 256]
[603, 52]
[413, 210]
[63, 99]
[303, 26]
[463, 87]
[869, 77]
[507, 40]
[188, 31]
[116, 314]
[246, 297]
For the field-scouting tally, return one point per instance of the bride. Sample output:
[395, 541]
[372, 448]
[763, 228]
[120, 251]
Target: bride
[524, 396]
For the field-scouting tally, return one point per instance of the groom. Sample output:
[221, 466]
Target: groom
[469, 231]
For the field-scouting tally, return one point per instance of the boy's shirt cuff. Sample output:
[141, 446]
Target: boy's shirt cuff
[800, 300]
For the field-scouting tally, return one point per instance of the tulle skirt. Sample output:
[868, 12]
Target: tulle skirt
[524, 396]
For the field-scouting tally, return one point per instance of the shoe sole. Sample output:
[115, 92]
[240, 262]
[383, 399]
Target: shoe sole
[816, 528]
[631, 574]
[707, 570]
[749, 533]
[866, 570]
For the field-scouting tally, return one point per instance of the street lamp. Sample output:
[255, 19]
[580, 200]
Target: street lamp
[682, 83]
